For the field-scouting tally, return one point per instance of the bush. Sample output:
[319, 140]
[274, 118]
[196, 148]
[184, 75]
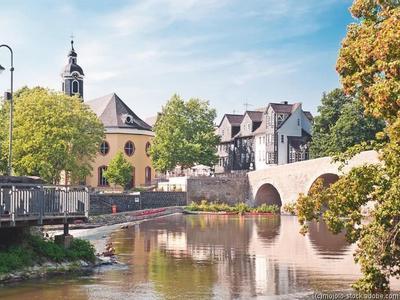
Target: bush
[15, 258]
[290, 208]
[192, 207]
[266, 208]
[35, 249]
[81, 249]
[242, 208]
[47, 249]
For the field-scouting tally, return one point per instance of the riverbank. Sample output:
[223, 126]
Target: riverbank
[99, 228]
[241, 208]
[228, 213]
[53, 262]
[33, 256]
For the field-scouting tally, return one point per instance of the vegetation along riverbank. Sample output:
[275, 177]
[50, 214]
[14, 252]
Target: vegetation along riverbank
[239, 208]
[33, 256]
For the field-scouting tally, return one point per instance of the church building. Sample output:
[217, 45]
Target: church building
[124, 131]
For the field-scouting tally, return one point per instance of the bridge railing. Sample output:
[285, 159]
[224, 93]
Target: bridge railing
[39, 202]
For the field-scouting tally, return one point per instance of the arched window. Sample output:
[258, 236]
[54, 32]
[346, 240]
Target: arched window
[75, 87]
[102, 180]
[104, 147]
[129, 148]
[148, 146]
[147, 176]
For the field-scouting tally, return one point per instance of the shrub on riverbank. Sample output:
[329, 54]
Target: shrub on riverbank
[265, 208]
[240, 208]
[35, 250]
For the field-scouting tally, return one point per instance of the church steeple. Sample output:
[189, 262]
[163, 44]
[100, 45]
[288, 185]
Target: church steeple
[72, 75]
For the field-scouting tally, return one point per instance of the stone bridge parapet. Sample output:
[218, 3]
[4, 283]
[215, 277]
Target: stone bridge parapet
[282, 184]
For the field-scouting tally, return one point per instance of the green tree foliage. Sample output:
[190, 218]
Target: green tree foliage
[341, 123]
[184, 135]
[369, 67]
[52, 133]
[119, 171]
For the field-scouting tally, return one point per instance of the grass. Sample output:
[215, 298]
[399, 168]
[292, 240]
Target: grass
[33, 250]
[239, 208]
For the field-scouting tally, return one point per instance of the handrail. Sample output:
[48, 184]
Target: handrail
[41, 184]
[38, 202]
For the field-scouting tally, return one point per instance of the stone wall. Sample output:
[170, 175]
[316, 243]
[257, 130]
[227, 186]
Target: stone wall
[102, 203]
[231, 189]
[162, 199]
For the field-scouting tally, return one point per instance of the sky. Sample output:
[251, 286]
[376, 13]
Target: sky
[228, 52]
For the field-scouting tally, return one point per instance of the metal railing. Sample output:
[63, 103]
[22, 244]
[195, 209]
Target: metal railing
[40, 202]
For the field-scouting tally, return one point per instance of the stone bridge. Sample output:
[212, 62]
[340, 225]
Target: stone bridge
[282, 184]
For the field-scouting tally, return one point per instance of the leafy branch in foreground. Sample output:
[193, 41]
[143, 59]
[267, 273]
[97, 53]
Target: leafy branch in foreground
[369, 68]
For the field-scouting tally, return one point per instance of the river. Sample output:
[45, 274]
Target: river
[210, 257]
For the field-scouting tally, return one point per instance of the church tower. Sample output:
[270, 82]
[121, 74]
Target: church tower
[72, 75]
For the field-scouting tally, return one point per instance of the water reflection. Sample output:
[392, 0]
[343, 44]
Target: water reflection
[212, 257]
[332, 247]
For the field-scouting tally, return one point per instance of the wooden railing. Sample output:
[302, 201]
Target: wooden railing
[30, 202]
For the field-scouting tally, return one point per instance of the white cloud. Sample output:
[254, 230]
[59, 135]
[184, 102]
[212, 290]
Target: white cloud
[222, 50]
[152, 15]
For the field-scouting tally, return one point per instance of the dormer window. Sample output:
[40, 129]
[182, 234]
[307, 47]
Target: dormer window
[128, 119]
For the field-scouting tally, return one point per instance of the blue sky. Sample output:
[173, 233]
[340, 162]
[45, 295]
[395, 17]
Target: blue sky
[226, 51]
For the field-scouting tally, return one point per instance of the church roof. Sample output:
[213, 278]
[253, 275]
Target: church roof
[113, 112]
[71, 67]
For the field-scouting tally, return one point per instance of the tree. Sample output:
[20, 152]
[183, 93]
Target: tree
[52, 133]
[369, 67]
[341, 123]
[184, 135]
[119, 171]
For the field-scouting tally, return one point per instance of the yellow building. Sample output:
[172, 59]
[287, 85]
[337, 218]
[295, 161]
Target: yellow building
[125, 132]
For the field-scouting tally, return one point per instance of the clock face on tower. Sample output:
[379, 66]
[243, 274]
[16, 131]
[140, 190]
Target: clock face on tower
[75, 75]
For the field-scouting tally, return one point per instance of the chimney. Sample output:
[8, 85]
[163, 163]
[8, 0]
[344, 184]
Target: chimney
[284, 102]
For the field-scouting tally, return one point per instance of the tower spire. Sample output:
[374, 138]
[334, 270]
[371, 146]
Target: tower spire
[72, 75]
[72, 42]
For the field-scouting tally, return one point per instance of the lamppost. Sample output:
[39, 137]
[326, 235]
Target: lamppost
[10, 97]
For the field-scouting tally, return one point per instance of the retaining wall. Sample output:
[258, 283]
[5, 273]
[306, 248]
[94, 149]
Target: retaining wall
[230, 189]
[102, 203]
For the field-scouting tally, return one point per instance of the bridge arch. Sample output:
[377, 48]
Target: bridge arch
[327, 180]
[268, 194]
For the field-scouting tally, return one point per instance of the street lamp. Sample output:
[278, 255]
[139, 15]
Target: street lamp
[10, 97]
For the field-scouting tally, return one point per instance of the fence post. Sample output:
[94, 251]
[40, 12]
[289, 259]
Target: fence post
[1, 203]
[12, 205]
[41, 205]
[65, 192]
[86, 202]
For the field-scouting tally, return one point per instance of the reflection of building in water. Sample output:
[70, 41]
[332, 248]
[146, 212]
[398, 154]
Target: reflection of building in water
[174, 243]
[286, 261]
[268, 228]
[233, 257]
